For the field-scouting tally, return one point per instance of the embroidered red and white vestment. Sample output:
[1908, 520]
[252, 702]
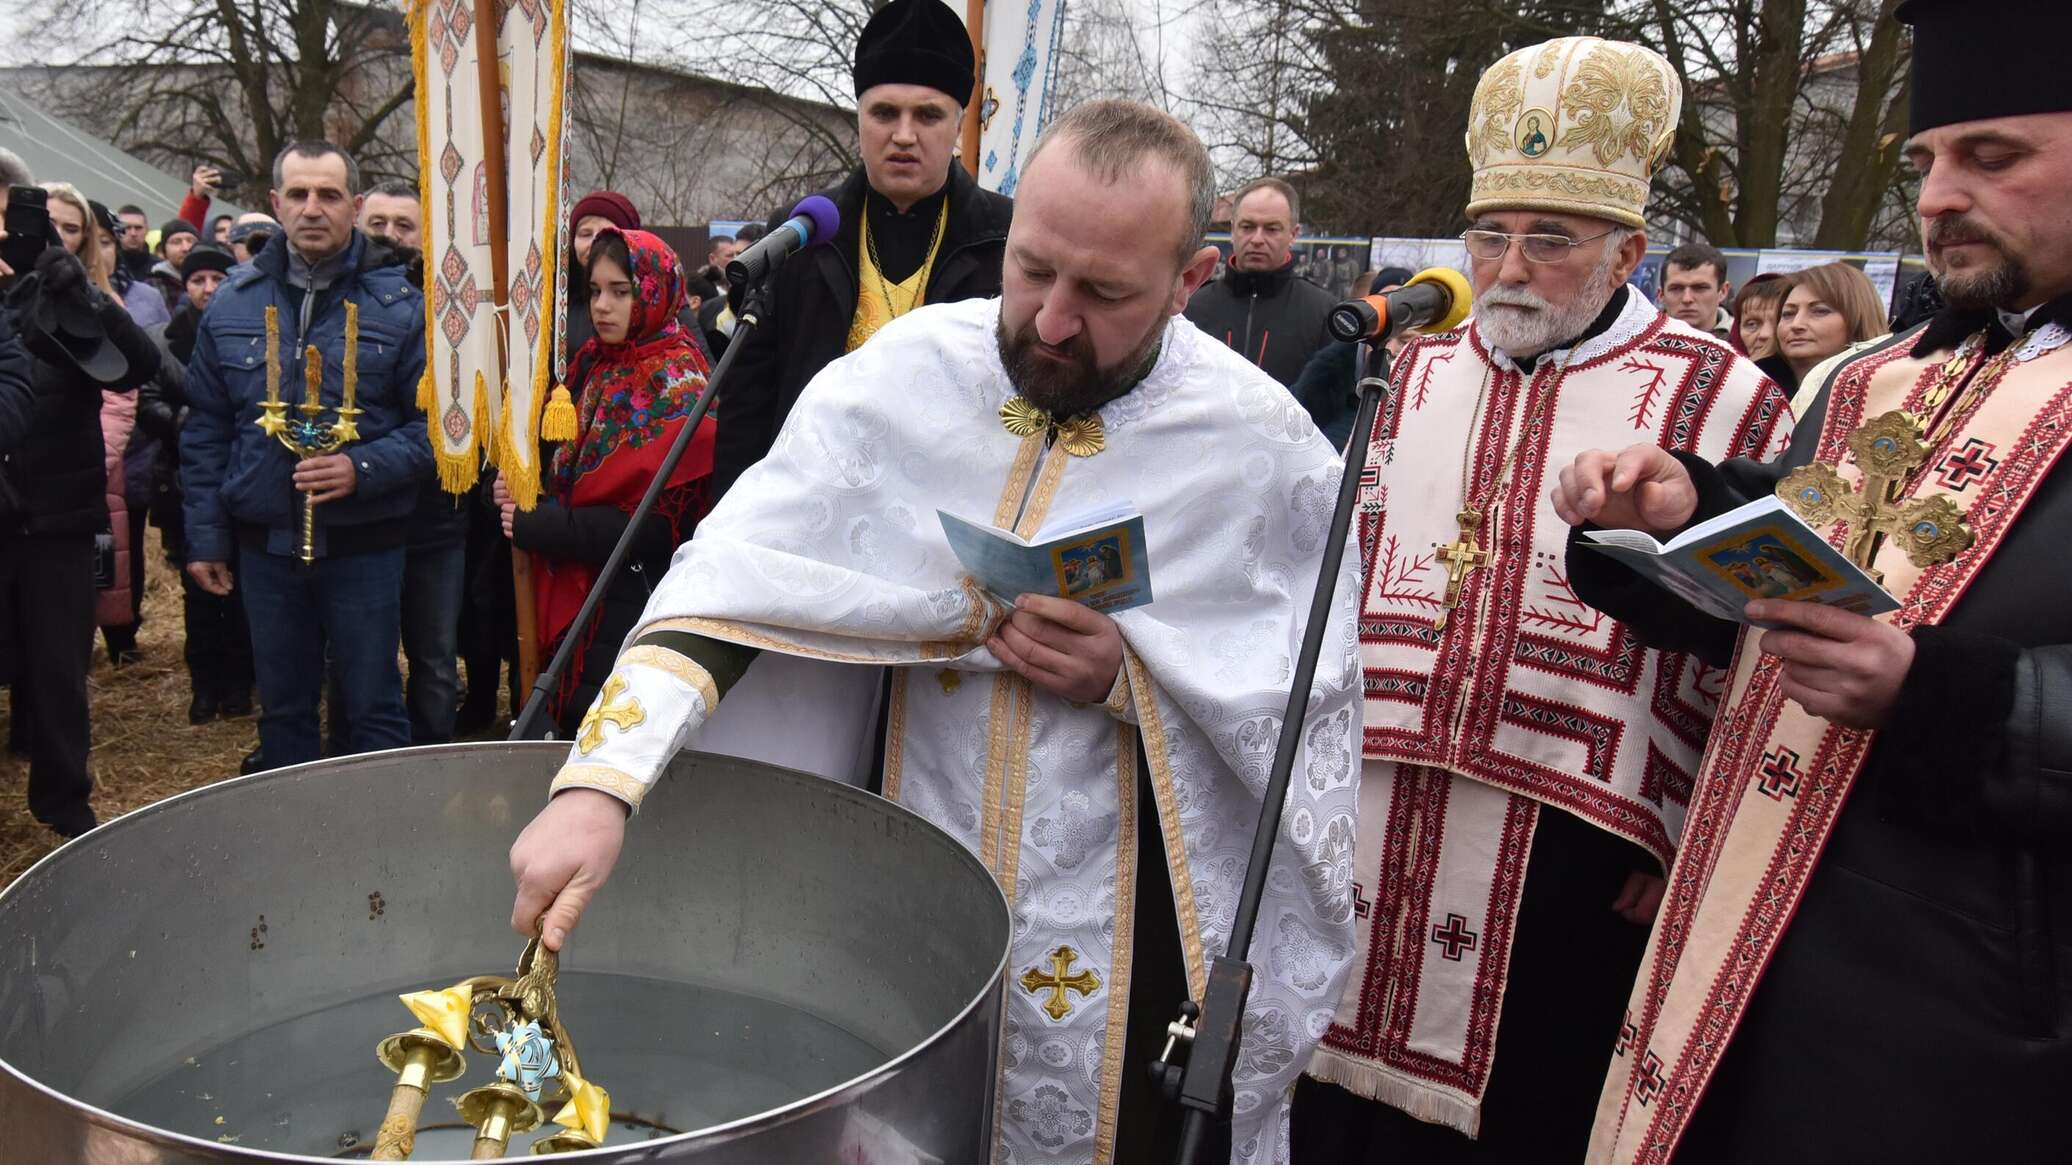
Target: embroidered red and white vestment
[1527, 697]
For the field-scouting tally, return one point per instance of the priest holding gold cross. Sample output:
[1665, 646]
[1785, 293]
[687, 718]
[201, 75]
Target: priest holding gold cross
[1527, 760]
[1866, 945]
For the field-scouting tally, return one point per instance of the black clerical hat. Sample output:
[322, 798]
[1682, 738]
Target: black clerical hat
[1976, 61]
[916, 42]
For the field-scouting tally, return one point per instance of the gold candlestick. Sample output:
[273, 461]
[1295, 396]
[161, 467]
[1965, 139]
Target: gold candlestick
[420, 1058]
[499, 1111]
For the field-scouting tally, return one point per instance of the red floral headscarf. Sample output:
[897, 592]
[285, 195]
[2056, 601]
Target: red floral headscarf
[633, 391]
[632, 401]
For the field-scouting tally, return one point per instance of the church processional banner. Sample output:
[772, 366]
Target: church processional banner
[471, 409]
[1020, 69]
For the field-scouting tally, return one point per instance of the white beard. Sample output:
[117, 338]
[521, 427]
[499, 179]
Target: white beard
[1522, 323]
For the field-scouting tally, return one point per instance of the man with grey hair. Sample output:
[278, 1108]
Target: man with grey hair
[1527, 761]
[1261, 307]
[1105, 759]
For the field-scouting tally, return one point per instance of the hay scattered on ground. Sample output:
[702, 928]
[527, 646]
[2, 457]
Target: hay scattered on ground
[143, 748]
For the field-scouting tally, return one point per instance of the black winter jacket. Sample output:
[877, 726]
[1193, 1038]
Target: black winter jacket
[812, 300]
[55, 482]
[587, 534]
[17, 405]
[1271, 318]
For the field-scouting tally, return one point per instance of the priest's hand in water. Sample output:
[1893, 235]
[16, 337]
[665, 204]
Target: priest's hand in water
[1639, 488]
[1843, 667]
[1064, 648]
[561, 860]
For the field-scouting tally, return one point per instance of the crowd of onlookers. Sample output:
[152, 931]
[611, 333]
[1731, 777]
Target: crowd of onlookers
[133, 365]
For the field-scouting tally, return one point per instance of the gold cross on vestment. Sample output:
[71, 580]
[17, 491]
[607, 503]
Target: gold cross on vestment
[1057, 982]
[607, 710]
[1888, 449]
[1460, 556]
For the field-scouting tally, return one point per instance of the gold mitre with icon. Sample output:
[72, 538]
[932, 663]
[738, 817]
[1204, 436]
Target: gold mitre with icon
[1576, 126]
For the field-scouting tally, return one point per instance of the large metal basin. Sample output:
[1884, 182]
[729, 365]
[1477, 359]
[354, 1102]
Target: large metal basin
[782, 968]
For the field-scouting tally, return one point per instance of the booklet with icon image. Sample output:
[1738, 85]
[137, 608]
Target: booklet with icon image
[1758, 551]
[1096, 557]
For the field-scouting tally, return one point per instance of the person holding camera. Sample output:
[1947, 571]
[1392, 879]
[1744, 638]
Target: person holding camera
[52, 502]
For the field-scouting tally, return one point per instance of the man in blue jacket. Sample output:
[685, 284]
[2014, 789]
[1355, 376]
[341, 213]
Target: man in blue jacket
[244, 489]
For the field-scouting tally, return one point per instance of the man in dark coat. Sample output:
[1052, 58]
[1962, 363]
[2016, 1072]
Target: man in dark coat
[928, 224]
[53, 501]
[1260, 307]
[1865, 950]
[242, 488]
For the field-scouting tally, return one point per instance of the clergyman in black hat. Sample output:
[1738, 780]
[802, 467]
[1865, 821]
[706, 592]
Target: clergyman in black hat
[929, 233]
[1865, 946]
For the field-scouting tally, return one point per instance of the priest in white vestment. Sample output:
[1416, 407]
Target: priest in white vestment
[1056, 742]
[1527, 760]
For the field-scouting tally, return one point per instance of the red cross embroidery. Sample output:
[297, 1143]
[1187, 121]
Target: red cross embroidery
[1651, 1080]
[1455, 937]
[1780, 774]
[1360, 904]
[1967, 466]
[1627, 1034]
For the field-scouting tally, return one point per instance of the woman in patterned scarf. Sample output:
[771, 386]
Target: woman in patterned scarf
[635, 382]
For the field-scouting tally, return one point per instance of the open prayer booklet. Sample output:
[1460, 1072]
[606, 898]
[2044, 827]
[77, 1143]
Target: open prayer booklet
[1096, 557]
[1758, 551]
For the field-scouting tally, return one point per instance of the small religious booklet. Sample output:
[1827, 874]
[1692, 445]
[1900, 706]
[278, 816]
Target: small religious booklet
[1758, 551]
[1096, 557]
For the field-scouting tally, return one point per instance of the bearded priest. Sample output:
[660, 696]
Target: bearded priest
[1107, 769]
[1527, 760]
[1865, 953]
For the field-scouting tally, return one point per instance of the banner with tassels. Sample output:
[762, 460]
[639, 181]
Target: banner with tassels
[486, 376]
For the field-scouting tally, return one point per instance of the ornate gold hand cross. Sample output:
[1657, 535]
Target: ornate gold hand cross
[1057, 982]
[1888, 450]
[1460, 556]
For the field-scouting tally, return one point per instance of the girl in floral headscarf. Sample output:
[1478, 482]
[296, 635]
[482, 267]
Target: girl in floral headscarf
[635, 382]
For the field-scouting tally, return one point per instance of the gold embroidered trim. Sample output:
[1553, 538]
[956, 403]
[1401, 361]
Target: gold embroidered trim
[895, 733]
[974, 628]
[1121, 953]
[997, 730]
[603, 778]
[1017, 798]
[1017, 479]
[742, 633]
[1118, 704]
[1039, 501]
[676, 664]
[1153, 730]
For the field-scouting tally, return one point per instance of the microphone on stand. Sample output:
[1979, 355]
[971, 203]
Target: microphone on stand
[813, 220]
[1435, 299]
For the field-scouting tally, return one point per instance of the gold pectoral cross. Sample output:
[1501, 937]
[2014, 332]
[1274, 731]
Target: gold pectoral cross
[1057, 982]
[608, 710]
[1460, 556]
[1888, 450]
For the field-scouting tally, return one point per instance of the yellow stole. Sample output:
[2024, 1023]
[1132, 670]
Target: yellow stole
[879, 301]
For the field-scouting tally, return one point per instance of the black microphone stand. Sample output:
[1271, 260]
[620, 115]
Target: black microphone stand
[1208, 1033]
[549, 679]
